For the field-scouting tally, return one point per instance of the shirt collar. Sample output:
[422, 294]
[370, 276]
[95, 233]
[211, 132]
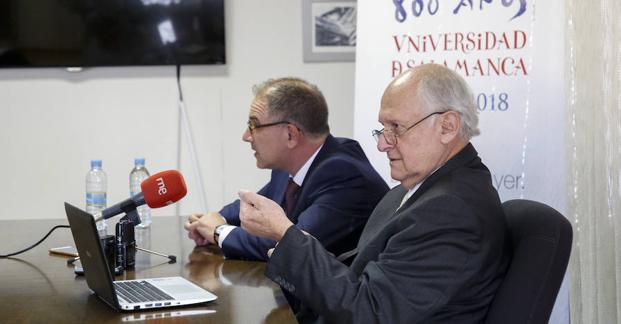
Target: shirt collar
[411, 192]
[298, 178]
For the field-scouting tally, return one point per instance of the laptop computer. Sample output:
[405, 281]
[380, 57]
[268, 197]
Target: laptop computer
[126, 294]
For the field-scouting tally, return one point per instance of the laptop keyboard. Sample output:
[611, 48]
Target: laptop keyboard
[139, 292]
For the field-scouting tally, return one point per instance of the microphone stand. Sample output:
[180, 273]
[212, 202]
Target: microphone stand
[172, 258]
[126, 240]
[131, 214]
[121, 252]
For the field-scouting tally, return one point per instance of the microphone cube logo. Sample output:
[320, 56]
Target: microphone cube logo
[161, 186]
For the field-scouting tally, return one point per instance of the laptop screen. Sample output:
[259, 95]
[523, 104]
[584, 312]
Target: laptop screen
[91, 254]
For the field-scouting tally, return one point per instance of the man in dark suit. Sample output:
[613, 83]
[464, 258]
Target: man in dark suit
[326, 184]
[434, 249]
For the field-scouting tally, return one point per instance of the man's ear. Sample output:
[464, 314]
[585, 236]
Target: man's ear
[293, 135]
[450, 126]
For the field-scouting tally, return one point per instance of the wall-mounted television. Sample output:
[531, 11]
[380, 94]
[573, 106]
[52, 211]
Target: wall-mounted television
[88, 33]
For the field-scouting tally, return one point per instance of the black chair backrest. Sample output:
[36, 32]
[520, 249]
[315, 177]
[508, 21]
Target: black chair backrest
[541, 243]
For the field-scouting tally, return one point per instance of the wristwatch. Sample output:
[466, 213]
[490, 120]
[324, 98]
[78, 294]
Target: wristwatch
[217, 231]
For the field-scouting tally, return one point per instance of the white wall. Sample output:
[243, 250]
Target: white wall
[53, 122]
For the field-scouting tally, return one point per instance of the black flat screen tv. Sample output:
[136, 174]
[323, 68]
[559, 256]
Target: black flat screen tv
[89, 33]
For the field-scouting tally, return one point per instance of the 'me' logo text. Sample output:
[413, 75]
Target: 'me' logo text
[161, 186]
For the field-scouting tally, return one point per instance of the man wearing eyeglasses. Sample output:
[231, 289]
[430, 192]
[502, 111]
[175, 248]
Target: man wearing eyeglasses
[326, 185]
[433, 250]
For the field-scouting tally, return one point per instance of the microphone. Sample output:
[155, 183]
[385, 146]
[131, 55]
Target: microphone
[158, 190]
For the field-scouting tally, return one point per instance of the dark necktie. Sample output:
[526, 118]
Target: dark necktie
[292, 187]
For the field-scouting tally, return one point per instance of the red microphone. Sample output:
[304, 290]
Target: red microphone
[158, 190]
[163, 188]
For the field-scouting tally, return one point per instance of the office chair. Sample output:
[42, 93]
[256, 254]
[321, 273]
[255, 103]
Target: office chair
[541, 243]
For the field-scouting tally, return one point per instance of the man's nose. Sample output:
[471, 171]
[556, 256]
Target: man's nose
[382, 145]
[247, 135]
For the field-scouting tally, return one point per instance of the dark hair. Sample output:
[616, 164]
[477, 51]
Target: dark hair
[297, 101]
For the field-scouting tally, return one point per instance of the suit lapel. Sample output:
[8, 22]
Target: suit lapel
[328, 146]
[382, 214]
[279, 181]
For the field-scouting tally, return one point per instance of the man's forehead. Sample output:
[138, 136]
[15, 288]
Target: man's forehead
[258, 109]
[390, 118]
[397, 111]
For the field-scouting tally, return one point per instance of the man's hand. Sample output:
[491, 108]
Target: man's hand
[192, 232]
[201, 227]
[262, 217]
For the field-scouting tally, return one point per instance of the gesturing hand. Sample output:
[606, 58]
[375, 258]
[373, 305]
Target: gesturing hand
[262, 217]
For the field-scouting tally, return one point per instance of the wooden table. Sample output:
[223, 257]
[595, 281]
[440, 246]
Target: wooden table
[38, 287]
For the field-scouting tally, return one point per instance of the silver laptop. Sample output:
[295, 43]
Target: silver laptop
[126, 294]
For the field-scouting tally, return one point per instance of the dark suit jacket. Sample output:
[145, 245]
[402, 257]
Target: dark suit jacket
[437, 259]
[334, 203]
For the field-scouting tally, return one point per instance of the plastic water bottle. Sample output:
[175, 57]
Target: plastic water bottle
[96, 185]
[138, 174]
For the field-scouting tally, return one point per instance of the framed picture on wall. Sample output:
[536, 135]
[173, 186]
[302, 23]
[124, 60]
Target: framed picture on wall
[329, 30]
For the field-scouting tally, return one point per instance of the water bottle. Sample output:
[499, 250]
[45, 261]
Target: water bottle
[138, 174]
[96, 185]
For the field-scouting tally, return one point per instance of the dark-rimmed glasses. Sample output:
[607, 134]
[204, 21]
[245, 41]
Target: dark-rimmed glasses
[252, 126]
[390, 135]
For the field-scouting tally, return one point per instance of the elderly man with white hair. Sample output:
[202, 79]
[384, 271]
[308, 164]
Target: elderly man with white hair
[434, 249]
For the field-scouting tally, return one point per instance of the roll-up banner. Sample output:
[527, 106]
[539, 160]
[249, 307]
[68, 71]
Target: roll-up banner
[511, 52]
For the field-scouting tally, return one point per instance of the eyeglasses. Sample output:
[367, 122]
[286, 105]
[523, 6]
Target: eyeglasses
[252, 126]
[390, 135]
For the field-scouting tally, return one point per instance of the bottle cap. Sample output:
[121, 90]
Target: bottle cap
[95, 163]
[139, 161]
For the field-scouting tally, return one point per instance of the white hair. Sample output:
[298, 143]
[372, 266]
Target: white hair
[440, 88]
